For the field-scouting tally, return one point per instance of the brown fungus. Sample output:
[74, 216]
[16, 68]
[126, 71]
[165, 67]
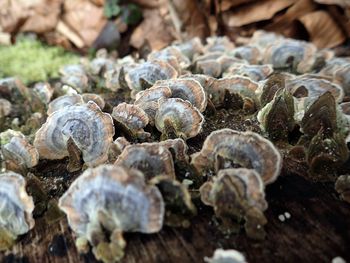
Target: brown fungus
[325, 154]
[151, 159]
[177, 118]
[179, 208]
[238, 194]
[106, 201]
[228, 148]
[132, 119]
[90, 129]
[320, 113]
[16, 209]
[277, 117]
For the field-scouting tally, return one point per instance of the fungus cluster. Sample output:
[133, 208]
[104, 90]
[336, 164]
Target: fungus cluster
[123, 127]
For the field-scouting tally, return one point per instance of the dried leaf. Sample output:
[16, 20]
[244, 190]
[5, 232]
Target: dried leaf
[255, 12]
[85, 19]
[342, 3]
[194, 22]
[98, 2]
[154, 30]
[43, 17]
[323, 31]
[225, 5]
[13, 13]
[283, 23]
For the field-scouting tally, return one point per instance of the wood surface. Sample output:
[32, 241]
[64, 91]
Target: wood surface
[318, 231]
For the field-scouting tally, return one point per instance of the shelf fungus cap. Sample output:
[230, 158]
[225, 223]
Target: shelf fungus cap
[90, 129]
[178, 148]
[95, 98]
[16, 148]
[64, 101]
[191, 47]
[108, 200]
[148, 100]
[173, 56]
[296, 55]
[5, 108]
[241, 85]
[228, 148]
[144, 75]
[178, 118]
[254, 72]
[244, 184]
[313, 86]
[151, 159]
[216, 43]
[132, 119]
[186, 89]
[249, 53]
[43, 91]
[16, 208]
[226, 256]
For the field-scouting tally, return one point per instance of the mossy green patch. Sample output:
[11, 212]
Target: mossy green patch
[32, 60]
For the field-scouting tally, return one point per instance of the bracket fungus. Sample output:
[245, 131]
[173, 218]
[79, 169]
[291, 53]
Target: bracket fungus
[253, 72]
[311, 86]
[186, 89]
[242, 86]
[173, 56]
[64, 101]
[86, 125]
[215, 44]
[288, 54]
[191, 47]
[144, 75]
[177, 118]
[43, 91]
[178, 204]
[18, 153]
[237, 194]
[228, 148]
[106, 201]
[132, 120]
[148, 100]
[116, 148]
[249, 53]
[151, 159]
[277, 117]
[16, 209]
